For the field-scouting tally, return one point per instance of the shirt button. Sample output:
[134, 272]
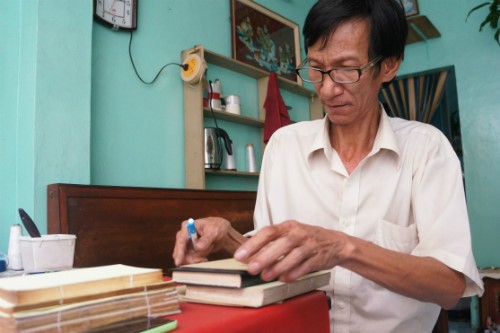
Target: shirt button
[341, 305]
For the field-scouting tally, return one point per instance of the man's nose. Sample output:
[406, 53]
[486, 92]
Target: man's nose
[328, 87]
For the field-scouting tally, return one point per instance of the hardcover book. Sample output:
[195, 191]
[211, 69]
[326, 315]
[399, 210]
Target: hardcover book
[257, 295]
[228, 273]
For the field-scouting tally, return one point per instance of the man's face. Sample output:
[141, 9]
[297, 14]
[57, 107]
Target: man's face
[347, 104]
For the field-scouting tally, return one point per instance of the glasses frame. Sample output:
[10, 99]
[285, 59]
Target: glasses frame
[360, 71]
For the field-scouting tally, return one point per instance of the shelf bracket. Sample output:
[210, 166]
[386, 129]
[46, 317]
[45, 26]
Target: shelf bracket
[418, 32]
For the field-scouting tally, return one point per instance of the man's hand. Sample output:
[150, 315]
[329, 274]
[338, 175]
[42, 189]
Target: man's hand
[211, 232]
[291, 249]
[214, 234]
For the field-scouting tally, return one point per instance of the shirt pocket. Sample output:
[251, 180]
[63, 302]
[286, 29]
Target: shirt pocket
[395, 237]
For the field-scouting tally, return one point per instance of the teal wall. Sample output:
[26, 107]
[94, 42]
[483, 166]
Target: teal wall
[137, 129]
[476, 58]
[45, 91]
[72, 109]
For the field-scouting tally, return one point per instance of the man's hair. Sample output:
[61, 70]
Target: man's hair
[387, 23]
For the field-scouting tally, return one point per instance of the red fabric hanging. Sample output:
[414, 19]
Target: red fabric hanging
[276, 111]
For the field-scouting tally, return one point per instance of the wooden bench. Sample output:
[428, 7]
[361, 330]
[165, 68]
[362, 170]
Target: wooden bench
[137, 225]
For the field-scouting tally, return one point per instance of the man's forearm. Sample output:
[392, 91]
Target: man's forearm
[422, 278]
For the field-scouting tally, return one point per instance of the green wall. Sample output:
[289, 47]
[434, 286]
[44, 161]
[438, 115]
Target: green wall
[73, 110]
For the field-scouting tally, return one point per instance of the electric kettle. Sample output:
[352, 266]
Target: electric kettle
[213, 146]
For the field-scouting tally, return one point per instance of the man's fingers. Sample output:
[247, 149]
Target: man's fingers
[290, 266]
[256, 243]
[286, 251]
[180, 247]
[276, 258]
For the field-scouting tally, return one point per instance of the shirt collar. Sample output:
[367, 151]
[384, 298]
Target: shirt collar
[385, 138]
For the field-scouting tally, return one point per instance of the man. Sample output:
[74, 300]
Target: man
[378, 200]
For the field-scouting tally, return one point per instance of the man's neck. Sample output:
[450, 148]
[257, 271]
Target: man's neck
[354, 142]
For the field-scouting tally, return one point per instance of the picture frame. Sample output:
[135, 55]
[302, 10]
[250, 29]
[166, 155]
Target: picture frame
[410, 7]
[264, 39]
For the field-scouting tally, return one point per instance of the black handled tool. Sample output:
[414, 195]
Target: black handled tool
[29, 224]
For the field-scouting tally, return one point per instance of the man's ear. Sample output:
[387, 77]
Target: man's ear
[390, 67]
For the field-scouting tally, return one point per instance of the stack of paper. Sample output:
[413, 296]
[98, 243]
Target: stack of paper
[227, 282]
[82, 299]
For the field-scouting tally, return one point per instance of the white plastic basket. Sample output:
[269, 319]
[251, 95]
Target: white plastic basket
[47, 253]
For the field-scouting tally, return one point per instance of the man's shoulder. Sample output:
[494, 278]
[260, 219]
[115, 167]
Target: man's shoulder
[404, 127]
[419, 137]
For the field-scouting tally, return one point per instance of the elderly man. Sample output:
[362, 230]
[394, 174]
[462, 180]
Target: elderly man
[378, 200]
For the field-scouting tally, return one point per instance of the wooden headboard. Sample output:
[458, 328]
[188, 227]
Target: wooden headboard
[136, 225]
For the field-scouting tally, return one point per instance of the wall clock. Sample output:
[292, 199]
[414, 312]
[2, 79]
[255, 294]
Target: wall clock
[120, 14]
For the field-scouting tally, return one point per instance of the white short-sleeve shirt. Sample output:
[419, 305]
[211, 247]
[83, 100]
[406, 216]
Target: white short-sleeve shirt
[407, 195]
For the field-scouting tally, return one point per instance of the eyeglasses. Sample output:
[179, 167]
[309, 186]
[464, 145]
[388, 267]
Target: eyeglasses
[339, 75]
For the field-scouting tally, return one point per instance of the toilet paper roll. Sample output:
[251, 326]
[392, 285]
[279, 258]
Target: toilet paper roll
[14, 252]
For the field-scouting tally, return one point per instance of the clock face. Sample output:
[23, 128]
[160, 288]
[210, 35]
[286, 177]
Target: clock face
[118, 13]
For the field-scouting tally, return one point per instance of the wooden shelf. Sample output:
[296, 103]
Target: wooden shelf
[420, 28]
[235, 118]
[231, 173]
[194, 117]
[256, 73]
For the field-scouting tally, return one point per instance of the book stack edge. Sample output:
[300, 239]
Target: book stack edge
[84, 299]
[227, 282]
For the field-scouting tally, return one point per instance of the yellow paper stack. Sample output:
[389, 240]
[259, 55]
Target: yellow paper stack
[83, 299]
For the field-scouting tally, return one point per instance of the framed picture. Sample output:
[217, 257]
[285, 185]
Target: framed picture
[264, 39]
[410, 6]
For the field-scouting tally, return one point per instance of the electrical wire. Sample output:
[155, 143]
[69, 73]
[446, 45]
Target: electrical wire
[210, 103]
[183, 66]
[216, 125]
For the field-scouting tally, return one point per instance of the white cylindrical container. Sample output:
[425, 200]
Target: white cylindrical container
[251, 164]
[14, 252]
[229, 162]
[233, 104]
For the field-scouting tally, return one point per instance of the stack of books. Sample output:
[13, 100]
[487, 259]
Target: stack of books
[227, 282]
[86, 299]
